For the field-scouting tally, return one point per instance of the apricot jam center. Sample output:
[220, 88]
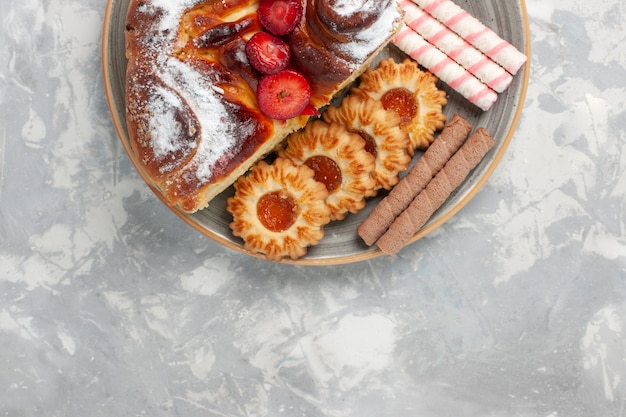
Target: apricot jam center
[402, 101]
[277, 211]
[326, 171]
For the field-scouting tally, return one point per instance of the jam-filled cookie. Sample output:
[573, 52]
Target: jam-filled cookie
[380, 129]
[279, 210]
[412, 93]
[340, 162]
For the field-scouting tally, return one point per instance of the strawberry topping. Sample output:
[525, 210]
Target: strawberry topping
[283, 95]
[280, 16]
[310, 110]
[267, 53]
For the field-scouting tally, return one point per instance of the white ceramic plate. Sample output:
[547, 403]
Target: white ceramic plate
[341, 243]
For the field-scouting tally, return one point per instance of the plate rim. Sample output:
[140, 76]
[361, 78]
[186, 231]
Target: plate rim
[341, 260]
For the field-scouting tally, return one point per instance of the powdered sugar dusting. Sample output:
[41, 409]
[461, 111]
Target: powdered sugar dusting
[217, 127]
[362, 46]
[348, 7]
[164, 127]
[171, 12]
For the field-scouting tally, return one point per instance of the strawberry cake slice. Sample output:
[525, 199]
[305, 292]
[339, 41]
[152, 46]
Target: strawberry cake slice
[212, 86]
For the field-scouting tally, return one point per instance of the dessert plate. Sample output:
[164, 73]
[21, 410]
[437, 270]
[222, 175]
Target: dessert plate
[341, 243]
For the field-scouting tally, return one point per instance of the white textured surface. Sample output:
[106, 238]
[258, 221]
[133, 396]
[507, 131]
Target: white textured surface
[111, 306]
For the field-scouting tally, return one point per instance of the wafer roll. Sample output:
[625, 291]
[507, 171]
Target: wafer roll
[447, 143]
[474, 32]
[445, 68]
[436, 192]
[448, 42]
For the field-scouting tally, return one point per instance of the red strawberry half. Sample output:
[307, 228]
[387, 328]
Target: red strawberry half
[283, 95]
[267, 53]
[310, 110]
[280, 16]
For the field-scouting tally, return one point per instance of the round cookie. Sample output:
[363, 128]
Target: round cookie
[380, 129]
[339, 160]
[279, 210]
[411, 92]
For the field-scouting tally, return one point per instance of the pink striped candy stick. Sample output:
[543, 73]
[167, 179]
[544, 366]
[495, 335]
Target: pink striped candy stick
[470, 58]
[445, 68]
[475, 33]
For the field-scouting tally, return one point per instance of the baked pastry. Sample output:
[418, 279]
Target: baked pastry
[411, 92]
[340, 162]
[381, 131]
[192, 115]
[279, 209]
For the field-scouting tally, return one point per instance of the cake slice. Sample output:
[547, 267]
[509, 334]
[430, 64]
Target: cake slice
[193, 119]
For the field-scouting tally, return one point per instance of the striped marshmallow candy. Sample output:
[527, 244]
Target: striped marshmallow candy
[456, 48]
[445, 68]
[475, 33]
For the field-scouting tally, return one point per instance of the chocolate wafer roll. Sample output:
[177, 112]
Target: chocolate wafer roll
[447, 143]
[436, 192]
